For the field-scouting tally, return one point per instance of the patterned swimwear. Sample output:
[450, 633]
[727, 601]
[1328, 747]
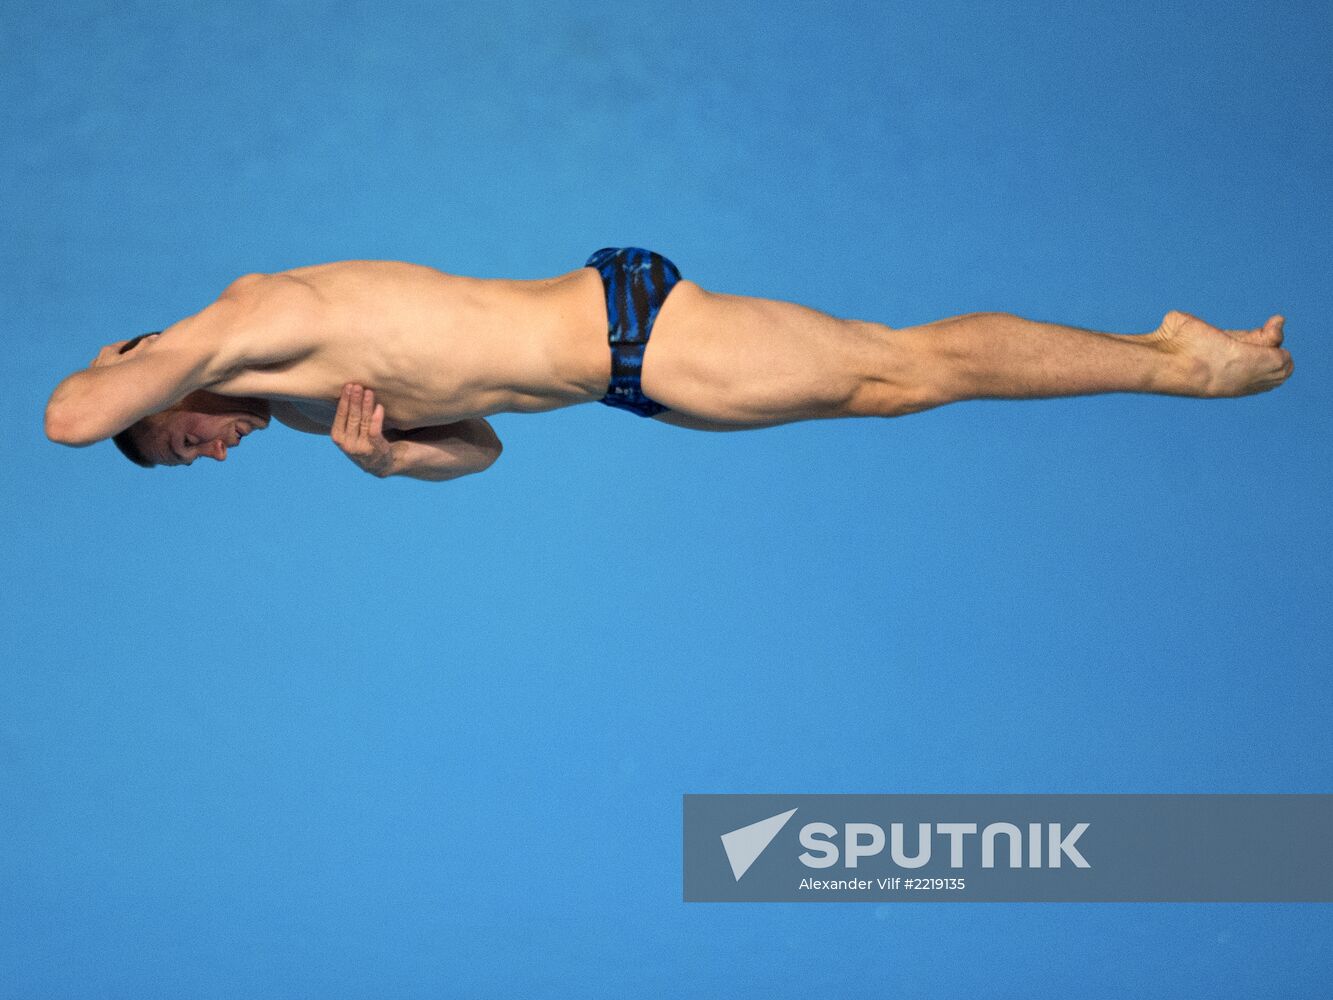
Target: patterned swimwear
[637, 282]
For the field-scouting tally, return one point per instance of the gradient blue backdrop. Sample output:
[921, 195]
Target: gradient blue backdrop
[276, 728]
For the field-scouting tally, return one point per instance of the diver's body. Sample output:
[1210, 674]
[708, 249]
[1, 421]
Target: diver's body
[402, 363]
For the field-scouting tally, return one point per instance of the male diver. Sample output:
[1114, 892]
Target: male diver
[401, 364]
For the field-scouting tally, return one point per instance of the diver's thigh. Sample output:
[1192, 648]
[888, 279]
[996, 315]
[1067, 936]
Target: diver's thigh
[749, 362]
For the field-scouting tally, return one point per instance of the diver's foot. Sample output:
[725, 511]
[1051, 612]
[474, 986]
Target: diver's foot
[1213, 362]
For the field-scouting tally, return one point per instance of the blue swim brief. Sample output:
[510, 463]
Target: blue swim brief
[637, 282]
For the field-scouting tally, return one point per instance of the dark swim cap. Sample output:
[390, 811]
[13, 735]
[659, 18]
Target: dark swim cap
[132, 343]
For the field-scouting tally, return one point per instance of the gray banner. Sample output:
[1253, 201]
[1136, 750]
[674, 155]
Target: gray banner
[1015, 848]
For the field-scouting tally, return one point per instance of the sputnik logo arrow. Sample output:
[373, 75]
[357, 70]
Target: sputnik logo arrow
[744, 846]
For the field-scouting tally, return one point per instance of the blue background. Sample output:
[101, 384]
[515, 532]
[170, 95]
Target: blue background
[278, 728]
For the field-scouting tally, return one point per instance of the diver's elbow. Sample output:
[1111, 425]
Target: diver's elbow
[62, 427]
[68, 422]
[489, 453]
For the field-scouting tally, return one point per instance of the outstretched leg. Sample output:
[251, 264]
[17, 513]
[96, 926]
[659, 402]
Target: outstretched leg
[732, 361]
[999, 356]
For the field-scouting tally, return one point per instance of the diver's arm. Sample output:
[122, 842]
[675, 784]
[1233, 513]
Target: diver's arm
[249, 324]
[435, 454]
[446, 452]
[119, 390]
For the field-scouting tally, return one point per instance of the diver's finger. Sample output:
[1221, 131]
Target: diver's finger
[367, 411]
[377, 423]
[340, 415]
[354, 413]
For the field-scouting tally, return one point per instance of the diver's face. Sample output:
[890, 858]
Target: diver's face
[202, 425]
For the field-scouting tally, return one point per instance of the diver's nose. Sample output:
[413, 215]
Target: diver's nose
[216, 450]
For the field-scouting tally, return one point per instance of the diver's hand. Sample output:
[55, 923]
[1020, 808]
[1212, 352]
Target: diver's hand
[358, 429]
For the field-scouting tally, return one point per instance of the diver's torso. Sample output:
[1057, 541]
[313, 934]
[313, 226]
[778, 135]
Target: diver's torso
[436, 347]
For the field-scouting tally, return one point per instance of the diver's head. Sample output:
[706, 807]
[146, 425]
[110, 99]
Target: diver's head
[202, 425]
